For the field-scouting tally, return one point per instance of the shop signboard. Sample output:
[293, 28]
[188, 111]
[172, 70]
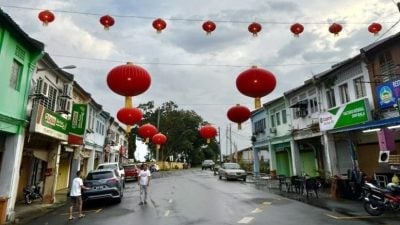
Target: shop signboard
[49, 123]
[348, 114]
[388, 93]
[78, 124]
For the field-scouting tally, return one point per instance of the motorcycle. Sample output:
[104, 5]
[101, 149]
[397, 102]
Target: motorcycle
[377, 199]
[32, 193]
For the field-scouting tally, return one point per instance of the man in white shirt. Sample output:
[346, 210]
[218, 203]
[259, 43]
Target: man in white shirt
[143, 182]
[76, 195]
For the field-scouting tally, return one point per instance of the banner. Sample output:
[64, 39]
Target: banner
[78, 124]
[387, 94]
[345, 115]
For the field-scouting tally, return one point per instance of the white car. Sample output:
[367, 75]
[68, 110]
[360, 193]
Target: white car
[232, 171]
[116, 166]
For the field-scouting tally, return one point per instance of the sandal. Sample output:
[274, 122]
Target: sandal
[71, 218]
[82, 215]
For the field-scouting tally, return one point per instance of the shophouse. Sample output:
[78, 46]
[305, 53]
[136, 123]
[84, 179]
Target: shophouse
[19, 55]
[49, 108]
[280, 141]
[307, 150]
[260, 146]
[117, 141]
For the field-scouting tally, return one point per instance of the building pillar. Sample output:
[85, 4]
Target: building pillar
[295, 155]
[9, 172]
[330, 153]
[50, 184]
[92, 155]
[272, 157]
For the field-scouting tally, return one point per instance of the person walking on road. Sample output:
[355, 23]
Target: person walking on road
[76, 196]
[143, 182]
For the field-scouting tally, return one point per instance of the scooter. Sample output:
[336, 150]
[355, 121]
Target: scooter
[32, 193]
[377, 199]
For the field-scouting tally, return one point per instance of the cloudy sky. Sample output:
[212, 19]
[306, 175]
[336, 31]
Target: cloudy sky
[195, 70]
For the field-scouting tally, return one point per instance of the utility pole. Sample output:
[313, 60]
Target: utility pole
[230, 141]
[158, 127]
[219, 145]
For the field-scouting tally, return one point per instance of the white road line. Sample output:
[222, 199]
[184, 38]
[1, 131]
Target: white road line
[267, 203]
[257, 210]
[166, 213]
[246, 220]
[170, 201]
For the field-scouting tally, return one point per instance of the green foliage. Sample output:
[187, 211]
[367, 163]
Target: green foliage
[132, 145]
[181, 128]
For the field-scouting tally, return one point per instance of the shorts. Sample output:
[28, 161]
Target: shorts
[76, 201]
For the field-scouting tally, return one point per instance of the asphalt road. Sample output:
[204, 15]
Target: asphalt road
[198, 197]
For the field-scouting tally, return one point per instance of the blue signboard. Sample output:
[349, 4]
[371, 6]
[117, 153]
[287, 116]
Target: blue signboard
[388, 93]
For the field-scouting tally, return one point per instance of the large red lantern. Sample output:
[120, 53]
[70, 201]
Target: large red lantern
[128, 80]
[297, 29]
[256, 82]
[335, 28]
[159, 139]
[147, 131]
[375, 28]
[129, 116]
[207, 132]
[238, 114]
[159, 24]
[46, 16]
[209, 26]
[107, 21]
[254, 28]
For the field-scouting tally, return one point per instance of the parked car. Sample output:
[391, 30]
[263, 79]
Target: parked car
[231, 171]
[103, 184]
[131, 172]
[207, 164]
[116, 166]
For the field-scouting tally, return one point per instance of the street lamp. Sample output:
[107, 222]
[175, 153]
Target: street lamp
[57, 68]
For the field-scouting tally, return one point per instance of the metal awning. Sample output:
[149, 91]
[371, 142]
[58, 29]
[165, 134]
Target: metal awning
[369, 125]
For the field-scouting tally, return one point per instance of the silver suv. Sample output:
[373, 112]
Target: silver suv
[207, 164]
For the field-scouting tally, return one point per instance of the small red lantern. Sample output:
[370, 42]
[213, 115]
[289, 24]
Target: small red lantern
[335, 28]
[375, 28]
[147, 131]
[159, 24]
[256, 82]
[254, 28]
[107, 21]
[159, 139]
[209, 26]
[46, 16]
[297, 29]
[238, 114]
[208, 132]
[129, 116]
[128, 80]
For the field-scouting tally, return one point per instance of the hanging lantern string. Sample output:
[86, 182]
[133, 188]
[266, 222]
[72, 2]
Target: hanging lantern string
[180, 19]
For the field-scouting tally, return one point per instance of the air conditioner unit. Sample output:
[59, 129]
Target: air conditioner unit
[67, 91]
[384, 156]
[64, 105]
[301, 113]
[42, 89]
[272, 129]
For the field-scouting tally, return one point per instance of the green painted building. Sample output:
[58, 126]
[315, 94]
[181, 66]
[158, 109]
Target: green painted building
[18, 56]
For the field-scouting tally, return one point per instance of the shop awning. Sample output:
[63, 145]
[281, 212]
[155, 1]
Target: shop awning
[369, 125]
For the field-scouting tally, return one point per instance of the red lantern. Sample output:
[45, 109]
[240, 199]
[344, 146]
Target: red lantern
[256, 82]
[46, 17]
[128, 80]
[159, 139]
[335, 28]
[209, 26]
[107, 21]
[129, 116]
[159, 24]
[147, 131]
[238, 114]
[375, 28]
[254, 28]
[297, 29]
[208, 132]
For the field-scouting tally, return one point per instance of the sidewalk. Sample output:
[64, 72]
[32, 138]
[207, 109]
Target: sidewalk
[25, 213]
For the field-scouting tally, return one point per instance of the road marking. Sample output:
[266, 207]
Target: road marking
[97, 211]
[170, 201]
[257, 210]
[166, 213]
[246, 220]
[357, 217]
[267, 203]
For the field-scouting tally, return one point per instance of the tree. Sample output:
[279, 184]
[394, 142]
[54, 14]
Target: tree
[181, 128]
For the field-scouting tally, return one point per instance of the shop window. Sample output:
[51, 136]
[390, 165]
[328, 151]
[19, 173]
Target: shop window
[272, 120]
[359, 87]
[16, 73]
[284, 116]
[344, 93]
[278, 118]
[313, 105]
[387, 66]
[330, 97]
